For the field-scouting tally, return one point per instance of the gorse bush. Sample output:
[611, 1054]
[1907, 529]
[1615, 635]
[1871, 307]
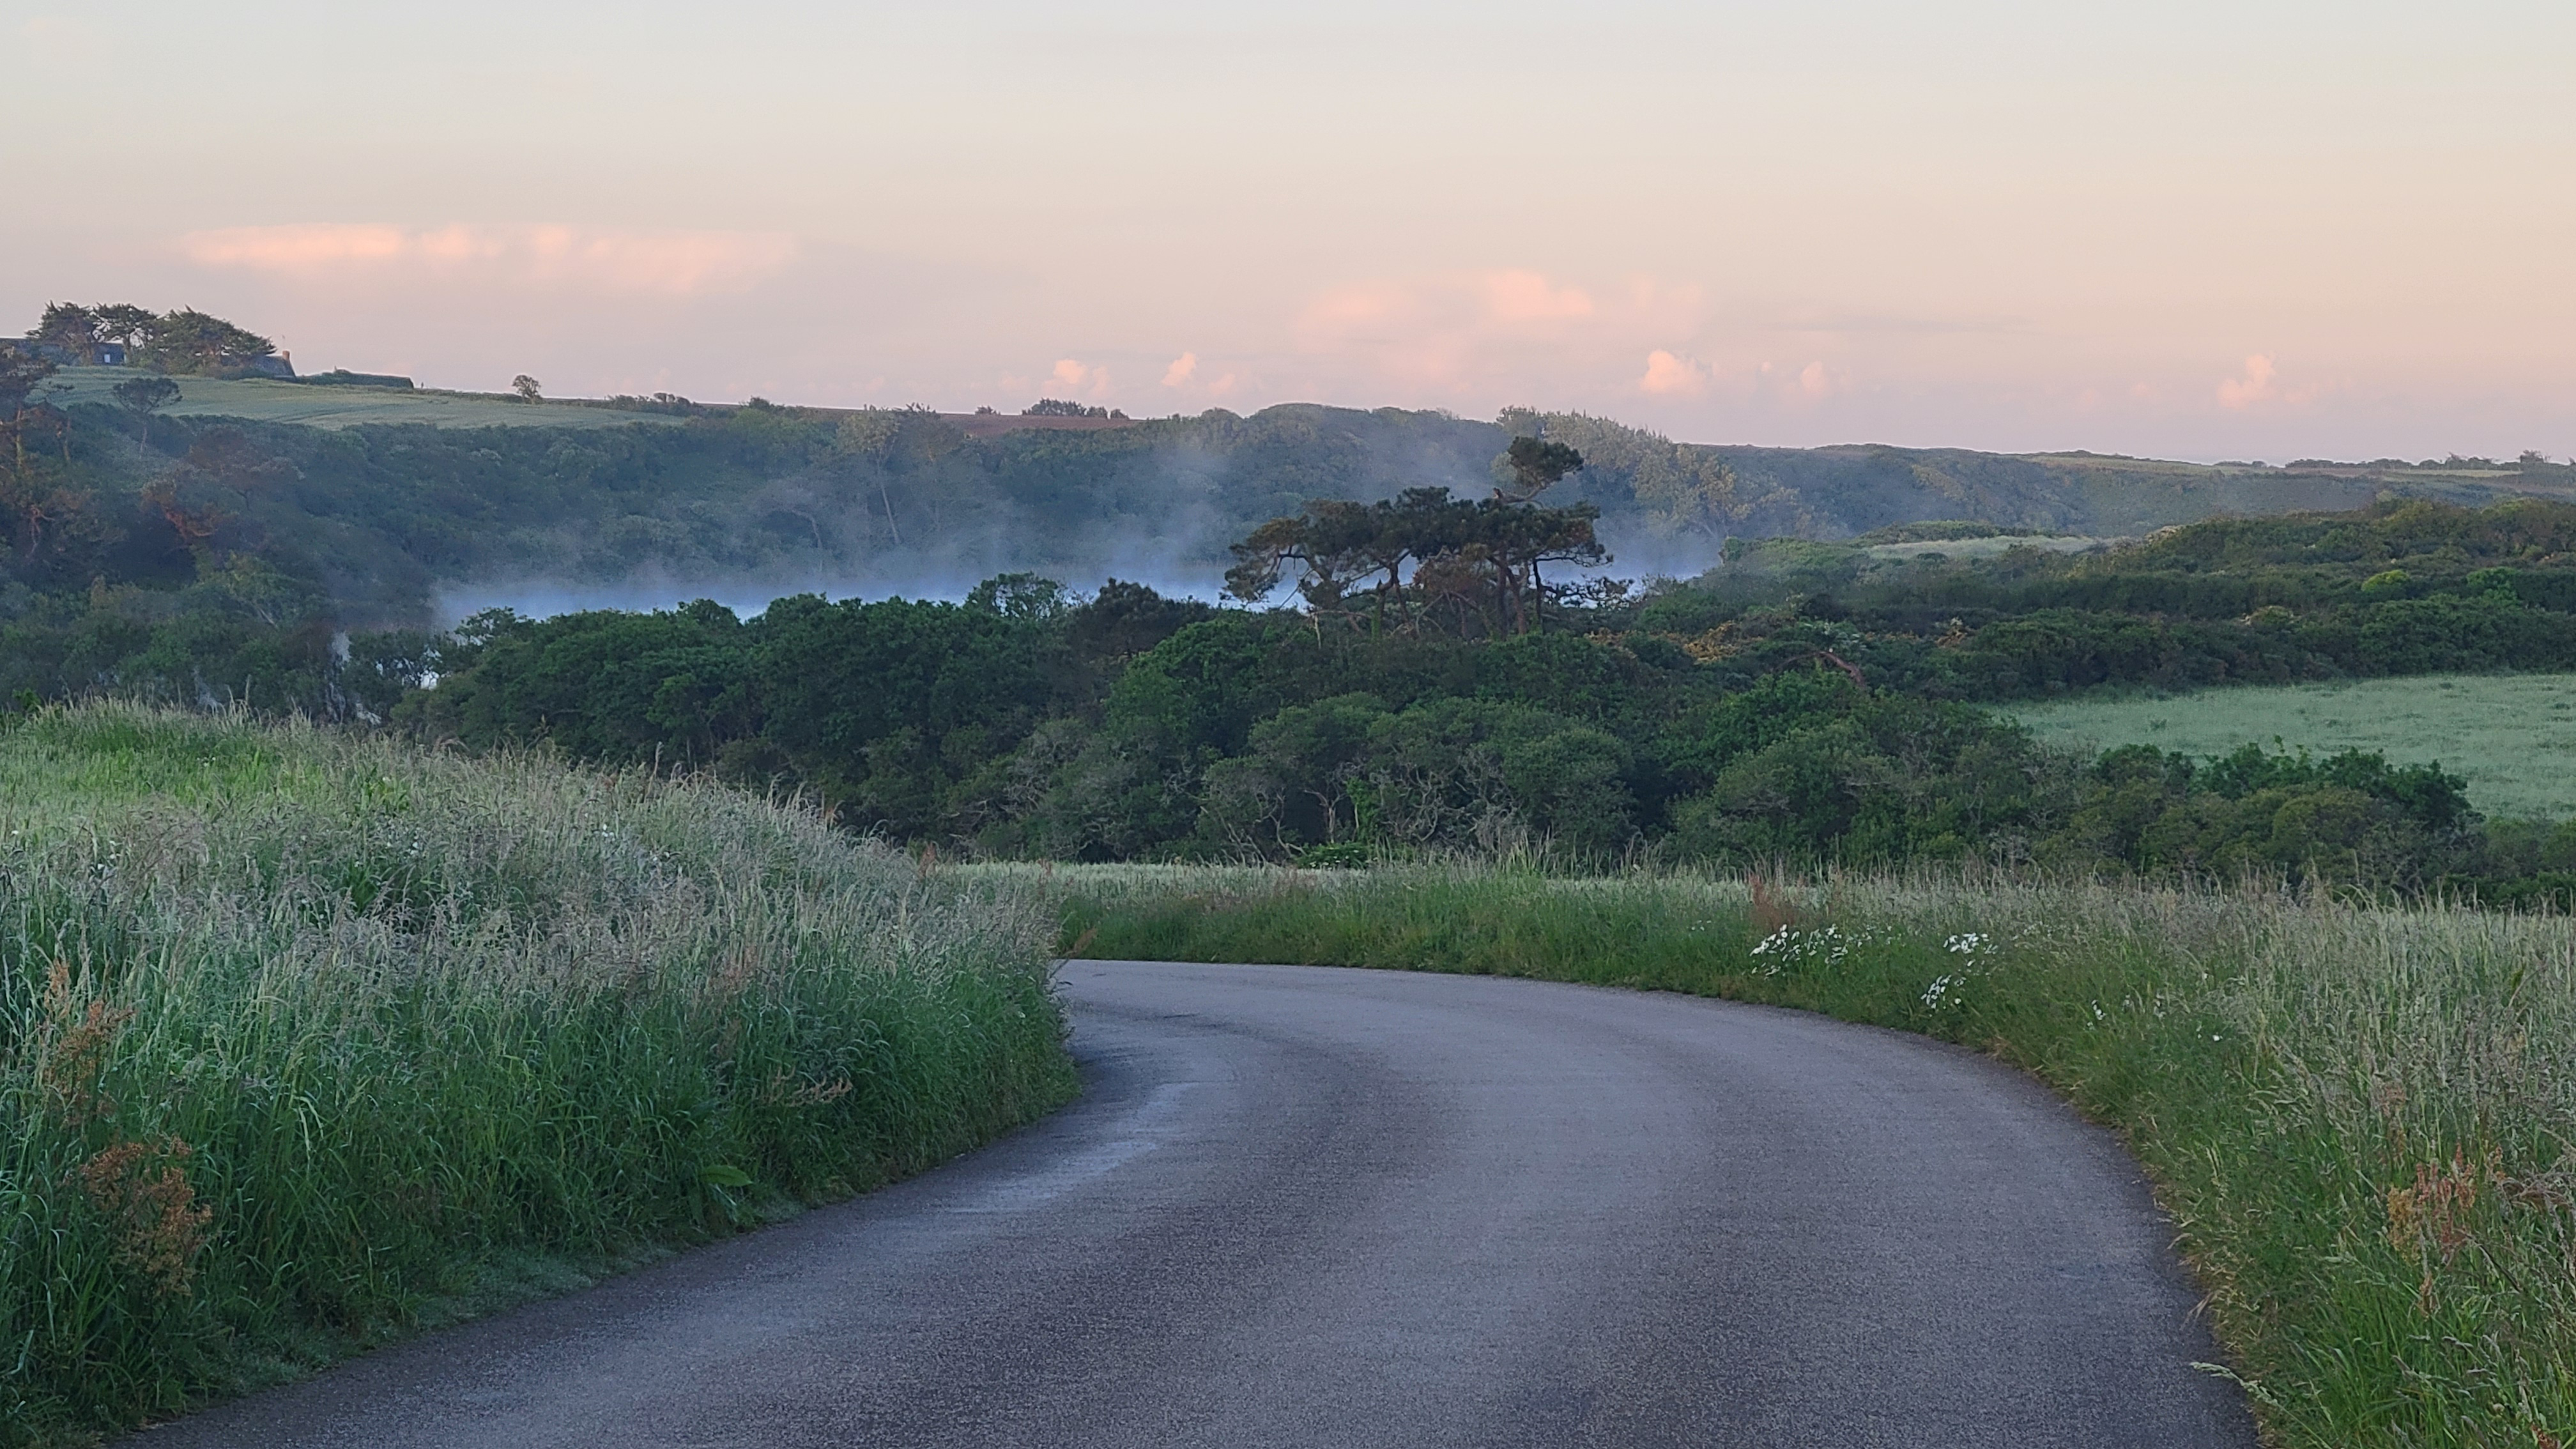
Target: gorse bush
[301, 1035]
[2359, 1119]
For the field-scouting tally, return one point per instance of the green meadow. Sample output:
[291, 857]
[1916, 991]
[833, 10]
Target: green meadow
[2511, 736]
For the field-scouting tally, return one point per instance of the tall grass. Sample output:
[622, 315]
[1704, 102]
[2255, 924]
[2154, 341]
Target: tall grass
[304, 1036]
[2360, 1119]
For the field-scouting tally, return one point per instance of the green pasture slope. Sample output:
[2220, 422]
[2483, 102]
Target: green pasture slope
[2360, 1119]
[2511, 736]
[304, 404]
[308, 1040]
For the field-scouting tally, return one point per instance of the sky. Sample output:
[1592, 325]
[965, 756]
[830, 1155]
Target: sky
[2257, 229]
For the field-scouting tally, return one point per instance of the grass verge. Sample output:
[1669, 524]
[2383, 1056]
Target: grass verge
[306, 1041]
[2359, 1119]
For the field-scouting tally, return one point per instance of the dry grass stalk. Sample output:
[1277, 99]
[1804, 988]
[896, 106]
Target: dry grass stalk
[142, 1190]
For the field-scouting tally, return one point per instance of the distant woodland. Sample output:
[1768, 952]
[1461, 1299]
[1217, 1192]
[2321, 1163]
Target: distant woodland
[1548, 631]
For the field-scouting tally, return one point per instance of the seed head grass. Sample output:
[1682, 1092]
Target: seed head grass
[307, 1040]
[2358, 1119]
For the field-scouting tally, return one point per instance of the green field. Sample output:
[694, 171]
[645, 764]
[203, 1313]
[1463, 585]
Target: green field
[2358, 1118]
[309, 1040]
[266, 401]
[2511, 736]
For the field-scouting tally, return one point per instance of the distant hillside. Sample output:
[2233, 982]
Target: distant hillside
[375, 505]
[321, 405]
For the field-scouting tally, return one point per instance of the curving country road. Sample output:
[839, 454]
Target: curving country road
[1312, 1207]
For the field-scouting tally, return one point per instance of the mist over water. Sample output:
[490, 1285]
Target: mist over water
[544, 598]
[1178, 572]
[913, 511]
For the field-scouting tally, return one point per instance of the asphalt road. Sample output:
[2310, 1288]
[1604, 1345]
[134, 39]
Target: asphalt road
[1312, 1207]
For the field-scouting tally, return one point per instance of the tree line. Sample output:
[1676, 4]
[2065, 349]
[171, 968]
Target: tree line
[182, 340]
[1424, 558]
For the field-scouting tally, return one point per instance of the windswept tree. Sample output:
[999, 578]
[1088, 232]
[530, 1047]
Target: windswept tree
[1518, 540]
[30, 500]
[1681, 489]
[72, 328]
[188, 340]
[125, 324]
[21, 371]
[141, 397]
[1422, 555]
[1534, 465]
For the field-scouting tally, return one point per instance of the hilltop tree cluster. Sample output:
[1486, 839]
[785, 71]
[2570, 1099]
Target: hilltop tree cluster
[1423, 558]
[183, 340]
[1056, 407]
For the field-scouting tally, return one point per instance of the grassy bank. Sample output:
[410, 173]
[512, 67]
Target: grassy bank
[2359, 1119]
[304, 1038]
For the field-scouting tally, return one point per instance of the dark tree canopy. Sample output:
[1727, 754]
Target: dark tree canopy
[1420, 559]
[142, 397]
[188, 340]
[1536, 465]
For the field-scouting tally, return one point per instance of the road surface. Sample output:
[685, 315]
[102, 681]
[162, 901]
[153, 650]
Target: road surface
[1309, 1207]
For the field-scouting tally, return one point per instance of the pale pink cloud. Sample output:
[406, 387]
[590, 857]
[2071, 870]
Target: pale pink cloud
[1670, 373]
[677, 263]
[1503, 299]
[1441, 331]
[1649, 296]
[1181, 370]
[1817, 380]
[293, 248]
[2258, 384]
[1517, 296]
[1079, 378]
[1348, 309]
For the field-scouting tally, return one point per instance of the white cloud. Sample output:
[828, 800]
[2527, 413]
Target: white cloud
[676, 263]
[1817, 380]
[1668, 372]
[1181, 370]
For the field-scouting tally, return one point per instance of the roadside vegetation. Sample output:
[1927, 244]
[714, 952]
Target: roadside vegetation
[2357, 1117]
[307, 1040]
